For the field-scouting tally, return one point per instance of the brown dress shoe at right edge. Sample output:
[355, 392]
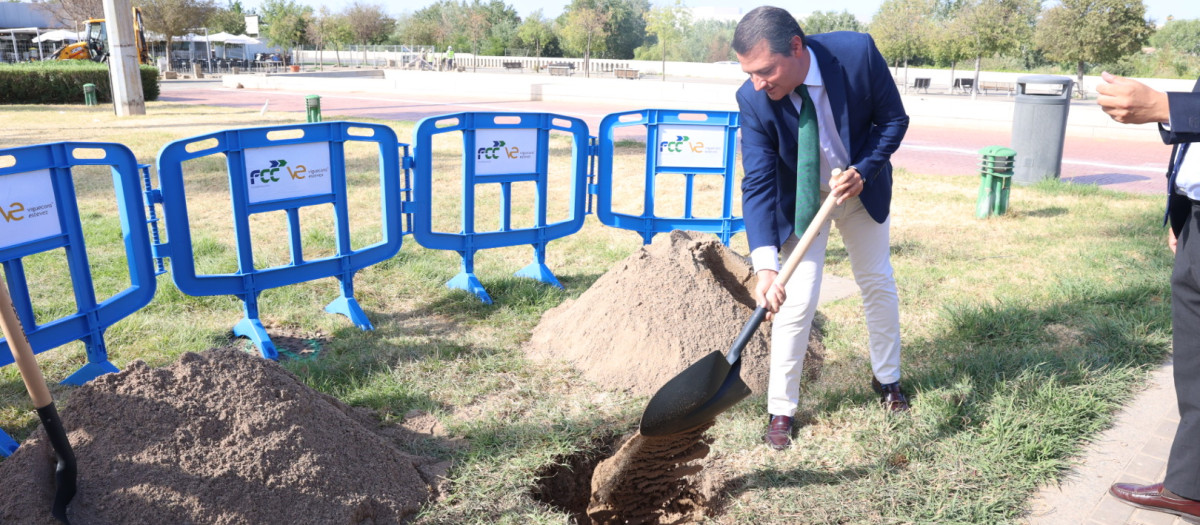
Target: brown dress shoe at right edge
[1158, 498]
[779, 433]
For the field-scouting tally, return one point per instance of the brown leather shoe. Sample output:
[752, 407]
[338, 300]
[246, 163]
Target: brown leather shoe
[890, 395]
[1156, 497]
[779, 433]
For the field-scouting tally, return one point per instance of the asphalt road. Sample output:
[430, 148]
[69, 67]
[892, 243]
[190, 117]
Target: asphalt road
[1126, 165]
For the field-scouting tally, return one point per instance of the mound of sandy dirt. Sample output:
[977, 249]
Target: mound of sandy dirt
[215, 438]
[657, 312]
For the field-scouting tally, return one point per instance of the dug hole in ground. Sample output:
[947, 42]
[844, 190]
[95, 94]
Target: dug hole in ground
[644, 321]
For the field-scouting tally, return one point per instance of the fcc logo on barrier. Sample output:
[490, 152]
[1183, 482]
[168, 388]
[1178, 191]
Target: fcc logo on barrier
[505, 151]
[284, 172]
[28, 210]
[691, 146]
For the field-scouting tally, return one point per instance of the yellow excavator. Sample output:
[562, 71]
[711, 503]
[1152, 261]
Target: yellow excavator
[95, 45]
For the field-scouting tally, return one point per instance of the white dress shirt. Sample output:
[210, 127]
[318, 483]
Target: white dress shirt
[1187, 181]
[833, 152]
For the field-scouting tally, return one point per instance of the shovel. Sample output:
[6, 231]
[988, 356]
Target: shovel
[714, 383]
[65, 473]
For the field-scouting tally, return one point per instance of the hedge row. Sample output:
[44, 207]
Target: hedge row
[62, 82]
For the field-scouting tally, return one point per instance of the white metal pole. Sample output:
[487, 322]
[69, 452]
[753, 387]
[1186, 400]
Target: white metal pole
[123, 70]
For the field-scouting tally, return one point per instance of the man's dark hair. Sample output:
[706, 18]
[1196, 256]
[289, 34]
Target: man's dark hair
[772, 24]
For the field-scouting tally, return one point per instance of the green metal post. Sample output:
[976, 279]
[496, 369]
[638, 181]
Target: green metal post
[996, 171]
[313, 103]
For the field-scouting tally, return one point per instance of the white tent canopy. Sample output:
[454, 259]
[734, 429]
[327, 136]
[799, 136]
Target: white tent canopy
[227, 38]
[58, 35]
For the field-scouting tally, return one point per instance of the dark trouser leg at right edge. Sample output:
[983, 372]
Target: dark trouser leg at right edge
[1183, 465]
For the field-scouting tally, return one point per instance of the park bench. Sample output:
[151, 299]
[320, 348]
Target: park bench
[631, 74]
[921, 83]
[514, 65]
[561, 68]
[963, 85]
[1008, 87]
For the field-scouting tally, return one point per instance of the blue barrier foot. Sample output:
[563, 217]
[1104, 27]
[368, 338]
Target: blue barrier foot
[8, 445]
[89, 372]
[253, 329]
[349, 307]
[467, 281]
[540, 272]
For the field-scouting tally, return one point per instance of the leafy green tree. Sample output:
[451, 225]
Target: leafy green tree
[475, 19]
[828, 21]
[502, 31]
[230, 19]
[173, 18]
[950, 45]
[432, 24]
[668, 24]
[626, 27]
[709, 41]
[903, 29]
[1081, 31]
[535, 30]
[987, 27]
[326, 29]
[1180, 35]
[368, 23]
[286, 23]
[584, 30]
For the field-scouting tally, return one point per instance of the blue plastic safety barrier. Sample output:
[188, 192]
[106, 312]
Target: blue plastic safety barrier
[499, 148]
[40, 214]
[692, 143]
[281, 168]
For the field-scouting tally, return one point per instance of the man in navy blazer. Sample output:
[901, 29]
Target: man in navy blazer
[1178, 118]
[861, 122]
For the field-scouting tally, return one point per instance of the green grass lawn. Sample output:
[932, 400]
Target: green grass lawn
[1022, 335]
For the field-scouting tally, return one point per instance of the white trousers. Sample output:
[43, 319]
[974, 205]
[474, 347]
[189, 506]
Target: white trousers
[868, 245]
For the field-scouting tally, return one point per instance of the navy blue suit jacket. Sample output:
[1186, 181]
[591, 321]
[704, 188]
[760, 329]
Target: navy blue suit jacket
[1185, 127]
[870, 120]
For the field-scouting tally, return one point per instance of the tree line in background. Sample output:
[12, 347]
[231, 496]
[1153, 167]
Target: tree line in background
[1074, 36]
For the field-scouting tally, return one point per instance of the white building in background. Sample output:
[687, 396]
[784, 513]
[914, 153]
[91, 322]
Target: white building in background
[20, 23]
[721, 13]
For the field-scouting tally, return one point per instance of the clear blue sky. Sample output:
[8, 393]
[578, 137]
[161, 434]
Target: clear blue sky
[863, 9]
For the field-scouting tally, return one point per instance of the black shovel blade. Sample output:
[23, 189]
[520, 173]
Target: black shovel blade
[695, 396]
[66, 472]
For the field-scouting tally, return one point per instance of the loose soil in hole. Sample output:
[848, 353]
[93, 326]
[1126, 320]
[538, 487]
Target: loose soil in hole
[219, 437]
[644, 321]
[657, 312]
[651, 480]
[648, 480]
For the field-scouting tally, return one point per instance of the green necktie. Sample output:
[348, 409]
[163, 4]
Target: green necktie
[808, 164]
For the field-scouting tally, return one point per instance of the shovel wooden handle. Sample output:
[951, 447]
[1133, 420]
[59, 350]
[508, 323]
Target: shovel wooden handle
[21, 351]
[810, 235]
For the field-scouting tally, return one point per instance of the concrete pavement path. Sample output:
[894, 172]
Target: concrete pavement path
[1134, 450]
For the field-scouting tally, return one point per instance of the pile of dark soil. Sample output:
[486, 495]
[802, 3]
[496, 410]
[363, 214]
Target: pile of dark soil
[215, 438]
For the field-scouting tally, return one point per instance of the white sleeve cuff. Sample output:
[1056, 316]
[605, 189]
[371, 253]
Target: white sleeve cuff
[765, 258]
